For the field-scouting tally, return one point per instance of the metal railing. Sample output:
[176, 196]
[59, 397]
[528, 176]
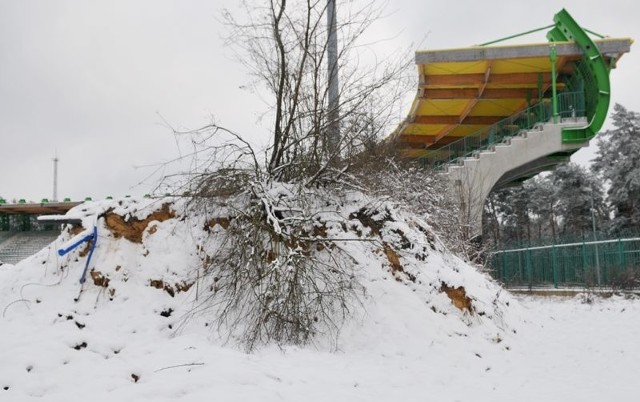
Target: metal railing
[613, 263]
[570, 104]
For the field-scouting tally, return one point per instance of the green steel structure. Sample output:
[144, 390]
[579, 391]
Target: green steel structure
[613, 262]
[591, 74]
[470, 99]
[530, 107]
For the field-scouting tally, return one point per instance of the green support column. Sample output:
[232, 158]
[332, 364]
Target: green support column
[553, 56]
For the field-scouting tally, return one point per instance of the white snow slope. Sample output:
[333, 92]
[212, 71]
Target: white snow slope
[128, 340]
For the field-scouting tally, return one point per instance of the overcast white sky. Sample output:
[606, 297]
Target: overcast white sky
[90, 79]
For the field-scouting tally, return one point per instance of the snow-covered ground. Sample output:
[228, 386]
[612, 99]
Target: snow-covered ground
[128, 340]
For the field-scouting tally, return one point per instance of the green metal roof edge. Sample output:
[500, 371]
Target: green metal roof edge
[567, 29]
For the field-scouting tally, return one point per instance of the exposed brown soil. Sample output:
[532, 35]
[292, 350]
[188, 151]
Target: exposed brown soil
[172, 290]
[458, 297]
[99, 279]
[320, 231]
[76, 229]
[224, 223]
[86, 249]
[133, 228]
[393, 258]
[396, 266]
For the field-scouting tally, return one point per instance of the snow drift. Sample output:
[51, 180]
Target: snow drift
[146, 307]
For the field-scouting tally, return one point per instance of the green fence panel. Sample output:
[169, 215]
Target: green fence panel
[609, 263]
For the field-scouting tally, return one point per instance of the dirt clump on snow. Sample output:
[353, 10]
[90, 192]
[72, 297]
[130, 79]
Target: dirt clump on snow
[133, 228]
[171, 290]
[368, 219]
[458, 297]
[86, 249]
[393, 258]
[99, 279]
[396, 266]
[76, 229]
[224, 223]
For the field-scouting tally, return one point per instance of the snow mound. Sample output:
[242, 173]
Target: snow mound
[138, 318]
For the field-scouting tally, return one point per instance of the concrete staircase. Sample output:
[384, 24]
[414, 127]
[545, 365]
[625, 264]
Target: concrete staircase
[16, 246]
[521, 156]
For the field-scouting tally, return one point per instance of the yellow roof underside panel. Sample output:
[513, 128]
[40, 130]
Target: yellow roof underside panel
[506, 66]
[470, 67]
[463, 131]
[521, 65]
[497, 107]
[445, 107]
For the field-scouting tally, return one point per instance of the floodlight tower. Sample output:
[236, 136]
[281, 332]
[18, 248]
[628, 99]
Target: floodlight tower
[55, 177]
[334, 96]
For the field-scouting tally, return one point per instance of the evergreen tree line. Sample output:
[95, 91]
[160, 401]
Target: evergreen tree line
[566, 204]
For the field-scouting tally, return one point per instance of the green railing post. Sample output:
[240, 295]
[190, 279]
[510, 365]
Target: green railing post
[584, 262]
[554, 97]
[520, 268]
[504, 268]
[621, 258]
[529, 267]
[554, 264]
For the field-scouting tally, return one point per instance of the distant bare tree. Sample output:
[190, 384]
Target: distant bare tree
[425, 192]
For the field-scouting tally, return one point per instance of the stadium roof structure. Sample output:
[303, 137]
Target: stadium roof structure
[463, 92]
[40, 208]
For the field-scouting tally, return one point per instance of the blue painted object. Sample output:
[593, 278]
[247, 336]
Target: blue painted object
[93, 235]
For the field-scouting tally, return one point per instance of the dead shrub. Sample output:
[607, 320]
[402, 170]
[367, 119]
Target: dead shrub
[275, 276]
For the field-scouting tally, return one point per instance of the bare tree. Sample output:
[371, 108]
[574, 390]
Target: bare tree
[274, 271]
[285, 47]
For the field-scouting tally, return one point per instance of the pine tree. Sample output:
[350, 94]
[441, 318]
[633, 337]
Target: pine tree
[543, 206]
[577, 190]
[509, 208]
[548, 207]
[618, 163]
